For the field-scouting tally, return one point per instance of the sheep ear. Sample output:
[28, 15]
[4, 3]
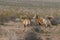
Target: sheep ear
[52, 17]
[34, 16]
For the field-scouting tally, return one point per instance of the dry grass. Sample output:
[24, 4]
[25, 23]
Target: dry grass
[14, 30]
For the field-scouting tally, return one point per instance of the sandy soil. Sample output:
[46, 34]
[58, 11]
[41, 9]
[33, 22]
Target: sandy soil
[16, 31]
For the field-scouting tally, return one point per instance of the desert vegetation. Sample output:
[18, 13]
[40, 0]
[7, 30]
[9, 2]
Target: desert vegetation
[12, 29]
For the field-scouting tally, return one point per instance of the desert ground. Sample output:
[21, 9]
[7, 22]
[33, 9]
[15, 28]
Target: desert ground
[14, 30]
